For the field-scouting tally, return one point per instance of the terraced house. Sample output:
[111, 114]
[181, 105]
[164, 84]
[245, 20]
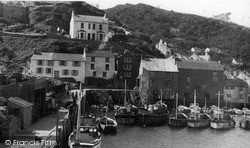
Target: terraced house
[59, 65]
[88, 27]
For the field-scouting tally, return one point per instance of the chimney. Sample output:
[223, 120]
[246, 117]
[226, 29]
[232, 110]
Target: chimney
[84, 51]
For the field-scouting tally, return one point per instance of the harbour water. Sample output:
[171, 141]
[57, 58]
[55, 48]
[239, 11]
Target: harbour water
[167, 137]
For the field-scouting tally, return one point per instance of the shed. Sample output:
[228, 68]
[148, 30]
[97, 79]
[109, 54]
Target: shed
[22, 109]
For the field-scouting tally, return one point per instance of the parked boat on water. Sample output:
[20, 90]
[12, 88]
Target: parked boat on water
[246, 111]
[107, 125]
[178, 119]
[245, 123]
[197, 119]
[222, 121]
[86, 133]
[126, 115]
[156, 114]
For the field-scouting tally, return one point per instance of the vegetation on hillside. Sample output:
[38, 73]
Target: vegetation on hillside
[194, 31]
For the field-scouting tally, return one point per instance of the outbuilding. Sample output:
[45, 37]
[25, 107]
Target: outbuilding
[22, 109]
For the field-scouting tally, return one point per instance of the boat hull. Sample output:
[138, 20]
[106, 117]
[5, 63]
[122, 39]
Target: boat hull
[198, 123]
[177, 122]
[76, 145]
[245, 124]
[151, 120]
[222, 125]
[109, 128]
[125, 119]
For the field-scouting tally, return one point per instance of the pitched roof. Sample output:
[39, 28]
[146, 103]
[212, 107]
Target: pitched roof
[101, 53]
[202, 65]
[89, 18]
[19, 102]
[153, 64]
[58, 56]
[235, 82]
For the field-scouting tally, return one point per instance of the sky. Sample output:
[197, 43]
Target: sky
[240, 9]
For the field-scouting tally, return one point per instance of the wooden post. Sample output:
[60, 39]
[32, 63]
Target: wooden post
[176, 106]
[195, 104]
[125, 91]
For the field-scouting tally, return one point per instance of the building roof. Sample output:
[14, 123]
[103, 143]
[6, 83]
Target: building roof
[89, 18]
[153, 64]
[201, 65]
[58, 56]
[235, 82]
[101, 53]
[66, 79]
[19, 102]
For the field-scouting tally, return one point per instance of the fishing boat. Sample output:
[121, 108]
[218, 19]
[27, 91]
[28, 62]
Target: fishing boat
[197, 119]
[179, 119]
[221, 120]
[245, 123]
[106, 124]
[246, 111]
[86, 133]
[153, 115]
[126, 114]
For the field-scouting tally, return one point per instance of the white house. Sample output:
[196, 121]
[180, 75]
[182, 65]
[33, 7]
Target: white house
[59, 65]
[162, 47]
[100, 64]
[88, 27]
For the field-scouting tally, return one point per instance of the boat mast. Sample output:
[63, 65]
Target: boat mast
[107, 113]
[79, 99]
[176, 110]
[125, 91]
[195, 104]
[218, 100]
[161, 97]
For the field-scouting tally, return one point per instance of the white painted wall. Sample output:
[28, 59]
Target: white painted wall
[57, 67]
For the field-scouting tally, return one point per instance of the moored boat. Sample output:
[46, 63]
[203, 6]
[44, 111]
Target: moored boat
[222, 121]
[197, 119]
[245, 123]
[126, 115]
[179, 119]
[153, 115]
[107, 125]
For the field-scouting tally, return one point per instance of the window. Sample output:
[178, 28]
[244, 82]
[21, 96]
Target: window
[89, 36]
[94, 73]
[240, 88]
[92, 66]
[81, 35]
[106, 66]
[127, 67]
[229, 96]
[104, 74]
[74, 72]
[128, 74]
[93, 36]
[101, 36]
[187, 87]
[100, 27]
[82, 25]
[92, 59]
[93, 27]
[48, 70]
[127, 59]
[40, 62]
[241, 96]
[188, 78]
[227, 87]
[39, 70]
[168, 83]
[65, 72]
[50, 63]
[232, 87]
[107, 60]
[215, 76]
[62, 63]
[89, 25]
[76, 63]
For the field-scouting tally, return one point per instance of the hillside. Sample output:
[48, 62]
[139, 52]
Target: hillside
[192, 30]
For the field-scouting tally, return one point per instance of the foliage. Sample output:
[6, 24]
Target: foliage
[194, 31]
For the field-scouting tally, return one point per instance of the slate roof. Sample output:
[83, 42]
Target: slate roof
[201, 65]
[58, 56]
[153, 64]
[235, 82]
[89, 18]
[101, 53]
[19, 102]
